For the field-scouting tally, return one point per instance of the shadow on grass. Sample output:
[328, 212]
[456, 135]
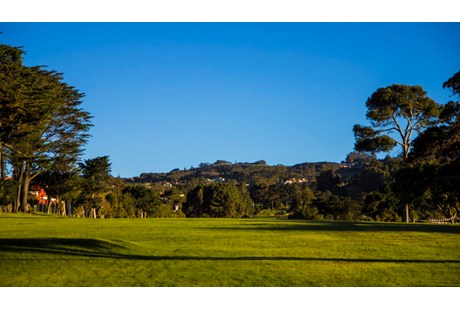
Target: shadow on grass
[297, 225]
[66, 246]
[94, 248]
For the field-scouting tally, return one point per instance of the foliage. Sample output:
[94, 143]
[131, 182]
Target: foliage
[453, 83]
[433, 172]
[359, 158]
[95, 173]
[42, 124]
[372, 141]
[219, 200]
[382, 205]
[300, 196]
[62, 184]
[330, 180]
[398, 109]
[248, 173]
[333, 207]
[146, 200]
[7, 194]
[440, 144]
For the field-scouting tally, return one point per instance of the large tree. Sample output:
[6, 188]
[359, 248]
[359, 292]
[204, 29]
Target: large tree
[435, 159]
[42, 123]
[395, 113]
[10, 73]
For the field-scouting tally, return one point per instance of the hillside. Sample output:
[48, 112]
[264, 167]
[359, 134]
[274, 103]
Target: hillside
[248, 173]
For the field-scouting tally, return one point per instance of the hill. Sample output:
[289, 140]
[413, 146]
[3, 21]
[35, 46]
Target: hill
[248, 173]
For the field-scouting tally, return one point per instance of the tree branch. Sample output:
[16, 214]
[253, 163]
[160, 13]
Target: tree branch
[13, 149]
[399, 128]
[388, 129]
[37, 174]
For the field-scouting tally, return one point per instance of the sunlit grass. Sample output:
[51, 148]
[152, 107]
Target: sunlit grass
[52, 251]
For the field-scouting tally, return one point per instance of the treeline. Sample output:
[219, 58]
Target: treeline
[240, 172]
[44, 130]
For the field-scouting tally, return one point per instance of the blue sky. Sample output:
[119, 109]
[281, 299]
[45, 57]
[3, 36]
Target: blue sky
[173, 95]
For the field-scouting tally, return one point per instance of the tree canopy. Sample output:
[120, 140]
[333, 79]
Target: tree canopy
[434, 172]
[453, 83]
[395, 112]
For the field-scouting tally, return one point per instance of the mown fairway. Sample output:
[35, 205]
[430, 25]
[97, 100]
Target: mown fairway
[51, 251]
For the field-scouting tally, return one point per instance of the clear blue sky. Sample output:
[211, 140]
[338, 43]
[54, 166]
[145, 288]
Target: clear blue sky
[173, 95]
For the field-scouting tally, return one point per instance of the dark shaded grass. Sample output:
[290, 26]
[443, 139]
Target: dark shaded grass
[347, 226]
[64, 246]
[95, 248]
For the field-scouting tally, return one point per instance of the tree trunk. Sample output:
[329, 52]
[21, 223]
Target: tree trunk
[407, 213]
[25, 187]
[68, 207]
[406, 151]
[2, 163]
[59, 207]
[19, 173]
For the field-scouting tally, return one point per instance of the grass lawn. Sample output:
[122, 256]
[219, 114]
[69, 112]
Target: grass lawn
[51, 251]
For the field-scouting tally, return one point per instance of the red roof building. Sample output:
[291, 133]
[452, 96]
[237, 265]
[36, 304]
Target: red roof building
[40, 193]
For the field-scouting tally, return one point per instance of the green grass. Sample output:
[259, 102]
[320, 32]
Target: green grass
[53, 251]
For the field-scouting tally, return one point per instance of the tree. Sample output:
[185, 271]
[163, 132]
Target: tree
[395, 110]
[330, 180]
[42, 124]
[61, 184]
[301, 197]
[453, 83]
[218, 200]
[12, 119]
[359, 158]
[440, 144]
[10, 67]
[435, 159]
[336, 207]
[96, 177]
[146, 202]
[7, 192]
[382, 205]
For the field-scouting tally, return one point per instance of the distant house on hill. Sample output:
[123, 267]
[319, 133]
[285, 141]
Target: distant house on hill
[218, 180]
[295, 180]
